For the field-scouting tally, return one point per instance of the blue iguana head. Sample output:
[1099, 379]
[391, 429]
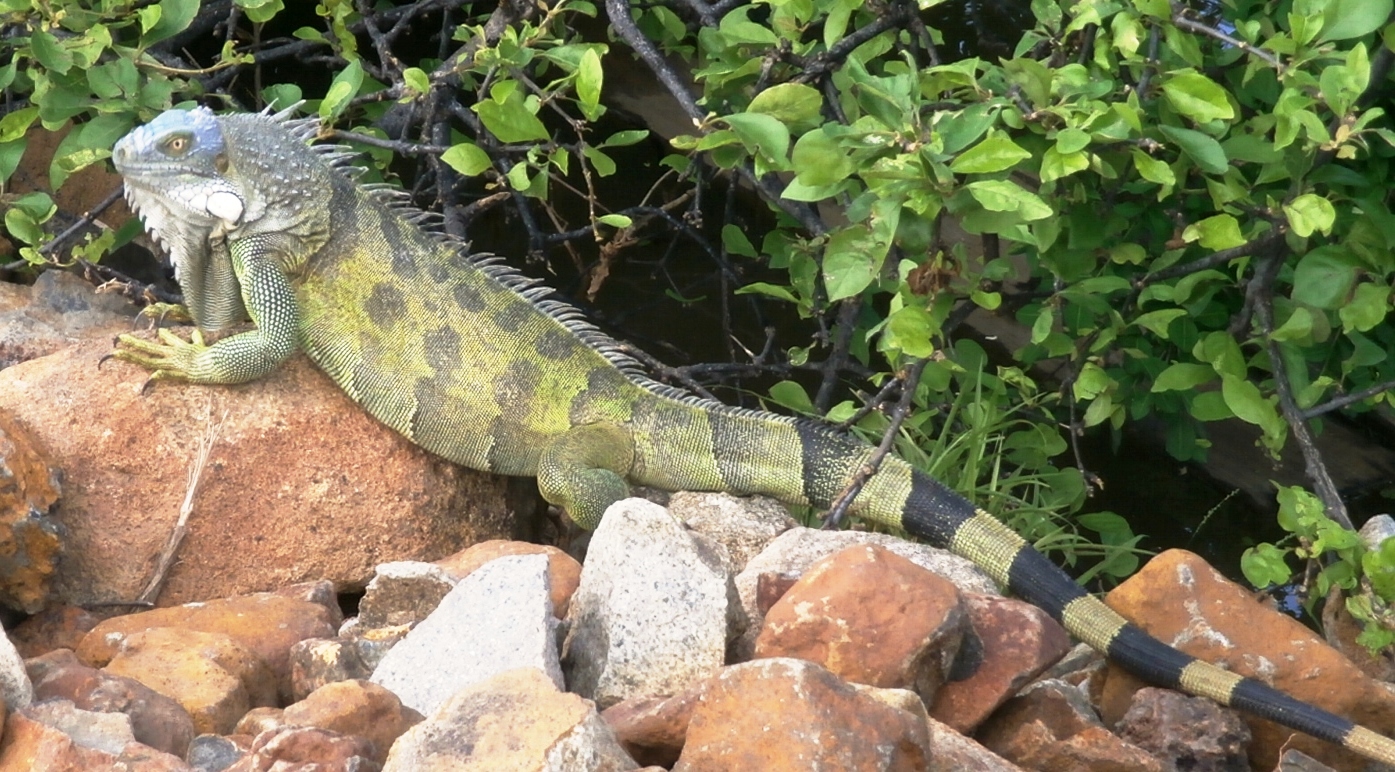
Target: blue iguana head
[179, 161]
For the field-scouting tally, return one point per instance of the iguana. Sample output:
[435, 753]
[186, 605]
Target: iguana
[475, 363]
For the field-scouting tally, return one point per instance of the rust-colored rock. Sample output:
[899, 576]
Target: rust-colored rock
[305, 748]
[258, 720]
[357, 708]
[1015, 643]
[266, 623]
[653, 729]
[1050, 726]
[156, 720]
[870, 616]
[31, 540]
[1182, 601]
[788, 715]
[56, 627]
[209, 674]
[301, 482]
[564, 572]
[30, 745]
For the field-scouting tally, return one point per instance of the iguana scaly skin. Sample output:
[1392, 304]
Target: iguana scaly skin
[477, 364]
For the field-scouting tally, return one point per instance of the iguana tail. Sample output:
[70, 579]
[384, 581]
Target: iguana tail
[801, 462]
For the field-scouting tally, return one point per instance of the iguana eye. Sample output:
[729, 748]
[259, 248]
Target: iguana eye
[177, 145]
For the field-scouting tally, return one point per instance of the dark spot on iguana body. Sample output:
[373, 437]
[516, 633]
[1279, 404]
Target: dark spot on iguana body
[442, 349]
[468, 298]
[385, 305]
[513, 389]
[556, 344]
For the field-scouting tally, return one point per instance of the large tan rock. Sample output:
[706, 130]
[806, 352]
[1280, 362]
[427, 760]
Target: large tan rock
[30, 540]
[1181, 600]
[301, 483]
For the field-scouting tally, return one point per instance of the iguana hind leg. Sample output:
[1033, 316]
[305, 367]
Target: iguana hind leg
[583, 471]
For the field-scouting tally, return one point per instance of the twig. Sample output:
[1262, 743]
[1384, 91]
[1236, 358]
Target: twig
[1180, 20]
[1341, 402]
[839, 510]
[196, 470]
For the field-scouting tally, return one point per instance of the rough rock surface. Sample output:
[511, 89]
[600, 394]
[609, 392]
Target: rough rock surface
[653, 608]
[806, 717]
[301, 482]
[872, 617]
[266, 623]
[1051, 726]
[31, 540]
[1182, 601]
[516, 720]
[507, 613]
[563, 570]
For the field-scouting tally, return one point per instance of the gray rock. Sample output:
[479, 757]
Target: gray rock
[401, 593]
[15, 687]
[497, 618]
[651, 613]
[106, 732]
[743, 525]
[213, 753]
[794, 551]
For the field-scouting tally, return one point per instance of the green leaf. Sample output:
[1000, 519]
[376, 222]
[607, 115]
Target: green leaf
[10, 155]
[911, 330]
[1202, 149]
[764, 134]
[1345, 19]
[507, 116]
[1071, 140]
[1091, 382]
[819, 160]
[1055, 165]
[1245, 400]
[174, 18]
[616, 220]
[1324, 277]
[1007, 196]
[467, 158]
[1220, 231]
[735, 241]
[1197, 96]
[1367, 308]
[852, 260]
[589, 77]
[261, 11]
[49, 53]
[1264, 565]
[1183, 376]
[14, 125]
[994, 154]
[625, 138]
[416, 79]
[344, 87]
[602, 163]
[1153, 170]
[1298, 327]
[771, 290]
[1310, 212]
[1158, 321]
[794, 104]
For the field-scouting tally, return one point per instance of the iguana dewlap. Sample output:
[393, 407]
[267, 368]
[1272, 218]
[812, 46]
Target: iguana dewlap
[472, 361]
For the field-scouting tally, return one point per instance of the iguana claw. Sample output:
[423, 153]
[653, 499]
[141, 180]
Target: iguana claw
[162, 312]
[170, 358]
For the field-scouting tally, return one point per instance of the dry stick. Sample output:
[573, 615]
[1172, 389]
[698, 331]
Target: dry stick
[196, 469]
[839, 510]
[1333, 505]
[1350, 399]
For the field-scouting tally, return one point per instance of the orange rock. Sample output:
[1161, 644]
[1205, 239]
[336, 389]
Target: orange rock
[1181, 600]
[56, 627]
[29, 538]
[1050, 726]
[870, 616]
[302, 482]
[653, 729]
[267, 624]
[788, 715]
[1017, 641]
[303, 748]
[564, 572]
[208, 674]
[356, 708]
[258, 720]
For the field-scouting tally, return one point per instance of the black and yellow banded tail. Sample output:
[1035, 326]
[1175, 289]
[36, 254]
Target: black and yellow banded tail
[938, 515]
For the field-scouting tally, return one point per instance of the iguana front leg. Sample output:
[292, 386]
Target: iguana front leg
[246, 356]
